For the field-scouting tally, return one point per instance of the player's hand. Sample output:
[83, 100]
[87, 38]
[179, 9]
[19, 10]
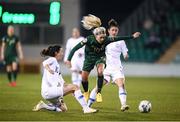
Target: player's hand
[136, 34]
[68, 63]
[126, 57]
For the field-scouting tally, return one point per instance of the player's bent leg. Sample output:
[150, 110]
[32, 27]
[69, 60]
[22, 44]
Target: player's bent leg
[39, 106]
[62, 105]
[42, 105]
[100, 69]
[69, 88]
[75, 78]
[14, 72]
[85, 76]
[99, 85]
[93, 95]
[122, 93]
[59, 103]
[9, 74]
[79, 97]
[85, 83]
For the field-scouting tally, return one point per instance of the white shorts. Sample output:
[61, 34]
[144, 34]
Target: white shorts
[113, 74]
[52, 92]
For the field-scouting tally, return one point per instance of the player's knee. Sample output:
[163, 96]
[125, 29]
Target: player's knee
[84, 78]
[14, 66]
[120, 82]
[100, 71]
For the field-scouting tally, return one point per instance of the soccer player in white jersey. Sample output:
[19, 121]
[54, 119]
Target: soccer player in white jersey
[53, 86]
[114, 68]
[78, 58]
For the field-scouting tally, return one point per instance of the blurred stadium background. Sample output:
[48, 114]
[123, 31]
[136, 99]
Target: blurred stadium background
[158, 20]
[155, 54]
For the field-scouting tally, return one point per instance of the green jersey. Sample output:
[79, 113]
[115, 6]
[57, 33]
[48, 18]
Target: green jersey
[95, 51]
[10, 45]
[10, 52]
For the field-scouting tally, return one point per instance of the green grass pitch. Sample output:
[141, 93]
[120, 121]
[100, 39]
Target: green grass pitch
[164, 94]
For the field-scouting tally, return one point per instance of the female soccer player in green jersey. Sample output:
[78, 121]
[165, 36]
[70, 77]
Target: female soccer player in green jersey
[95, 51]
[10, 51]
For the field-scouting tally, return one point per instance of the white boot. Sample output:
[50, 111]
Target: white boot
[88, 110]
[39, 106]
[124, 107]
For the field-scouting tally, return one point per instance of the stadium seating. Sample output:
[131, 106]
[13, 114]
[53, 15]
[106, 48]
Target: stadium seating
[166, 32]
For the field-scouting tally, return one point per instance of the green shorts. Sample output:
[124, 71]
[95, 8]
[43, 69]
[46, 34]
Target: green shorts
[90, 63]
[10, 59]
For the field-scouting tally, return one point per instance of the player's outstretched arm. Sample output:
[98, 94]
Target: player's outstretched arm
[20, 52]
[119, 38]
[79, 45]
[2, 51]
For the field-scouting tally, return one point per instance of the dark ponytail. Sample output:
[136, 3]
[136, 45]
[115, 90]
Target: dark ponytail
[50, 51]
[112, 23]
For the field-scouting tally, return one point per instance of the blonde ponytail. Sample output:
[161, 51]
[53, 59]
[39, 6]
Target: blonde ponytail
[91, 22]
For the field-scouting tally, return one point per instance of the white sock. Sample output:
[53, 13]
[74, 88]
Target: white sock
[92, 97]
[76, 79]
[122, 95]
[80, 98]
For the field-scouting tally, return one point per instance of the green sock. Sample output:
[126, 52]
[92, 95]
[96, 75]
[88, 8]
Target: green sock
[14, 75]
[9, 76]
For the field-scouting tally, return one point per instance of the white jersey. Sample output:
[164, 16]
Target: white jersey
[71, 43]
[52, 81]
[114, 68]
[113, 52]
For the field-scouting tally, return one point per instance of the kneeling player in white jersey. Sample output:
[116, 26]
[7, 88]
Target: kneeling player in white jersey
[53, 87]
[114, 68]
[78, 58]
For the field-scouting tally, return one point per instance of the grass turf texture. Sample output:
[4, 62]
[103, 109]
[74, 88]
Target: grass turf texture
[164, 94]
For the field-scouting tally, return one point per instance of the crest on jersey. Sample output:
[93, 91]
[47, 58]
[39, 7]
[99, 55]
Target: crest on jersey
[84, 41]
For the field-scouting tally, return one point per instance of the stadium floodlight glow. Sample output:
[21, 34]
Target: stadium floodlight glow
[0, 11]
[18, 18]
[54, 11]
[54, 19]
[54, 7]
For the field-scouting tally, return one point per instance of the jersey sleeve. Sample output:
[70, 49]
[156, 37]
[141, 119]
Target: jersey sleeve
[124, 48]
[79, 45]
[68, 50]
[50, 61]
[118, 38]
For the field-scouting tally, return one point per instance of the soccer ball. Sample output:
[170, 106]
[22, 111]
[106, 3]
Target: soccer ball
[145, 106]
